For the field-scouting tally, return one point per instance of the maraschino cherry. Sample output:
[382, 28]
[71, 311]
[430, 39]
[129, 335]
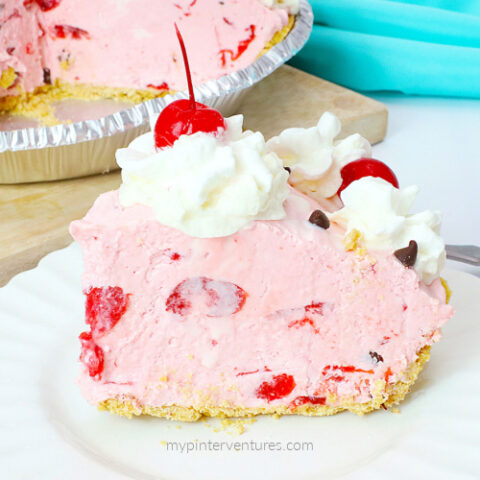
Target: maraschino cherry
[366, 167]
[184, 117]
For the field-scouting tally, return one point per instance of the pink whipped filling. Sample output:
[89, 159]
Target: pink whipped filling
[20, 46]
[210, 321]
[132, 43]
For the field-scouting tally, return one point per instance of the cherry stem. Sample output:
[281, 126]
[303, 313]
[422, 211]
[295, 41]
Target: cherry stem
[187, 68]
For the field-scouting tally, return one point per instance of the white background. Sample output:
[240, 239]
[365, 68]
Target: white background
[435, 144]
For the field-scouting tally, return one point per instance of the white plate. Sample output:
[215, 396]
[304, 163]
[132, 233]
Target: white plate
[47, 430]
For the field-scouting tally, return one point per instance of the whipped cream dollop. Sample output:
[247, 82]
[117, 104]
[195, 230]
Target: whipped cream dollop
[293, 6]
[379, 211]
[315, 158]
[205, 185]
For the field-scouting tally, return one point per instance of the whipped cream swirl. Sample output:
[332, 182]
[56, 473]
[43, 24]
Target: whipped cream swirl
[379, 211]
[315, 158]
[205, 185]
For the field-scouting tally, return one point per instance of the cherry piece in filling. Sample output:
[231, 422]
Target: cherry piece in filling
[242, 46]
[366, 167]
[280, 386]
[46, 5]
[68, 31]
[307, 399]
[162, 86]
[345, 369]
[91, 355]
[104, 307]
[185, 117]
[213, 298]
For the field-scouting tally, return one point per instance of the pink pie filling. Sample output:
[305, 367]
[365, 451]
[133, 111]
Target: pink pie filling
[277, 313]
[131, 43]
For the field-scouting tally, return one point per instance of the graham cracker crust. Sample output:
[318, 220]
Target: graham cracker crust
[40, 104]
[384, 396]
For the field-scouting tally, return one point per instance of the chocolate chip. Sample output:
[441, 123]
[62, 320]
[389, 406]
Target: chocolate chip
[376, 356]
[319, 219]
[407, 255]
[288, 169]
[47, 78]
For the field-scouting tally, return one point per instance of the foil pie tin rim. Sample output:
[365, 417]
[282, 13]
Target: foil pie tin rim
[87, 130]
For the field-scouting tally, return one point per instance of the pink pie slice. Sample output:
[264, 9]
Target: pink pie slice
[276, 318]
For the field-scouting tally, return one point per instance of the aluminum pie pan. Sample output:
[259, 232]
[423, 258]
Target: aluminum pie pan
[88, 147]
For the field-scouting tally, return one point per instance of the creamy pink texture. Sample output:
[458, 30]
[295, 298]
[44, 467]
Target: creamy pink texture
[132, 43]
[369, 304]
[20, 45]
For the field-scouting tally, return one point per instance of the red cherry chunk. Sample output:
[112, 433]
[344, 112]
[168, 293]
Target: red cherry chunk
[104, 307]
[242, 46]
[178, 118]
[162, 86]
[67, 31]
[366, 167]
[46, 5]
[302, 322]
[175, 256]
[312, 310]
[213, 298]
[307, 399]
[344, 369]
[280, 386]
[91, 355]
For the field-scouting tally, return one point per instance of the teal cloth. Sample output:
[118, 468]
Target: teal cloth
[429, 47]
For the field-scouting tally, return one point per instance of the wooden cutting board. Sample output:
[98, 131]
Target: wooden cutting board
[34, 218]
